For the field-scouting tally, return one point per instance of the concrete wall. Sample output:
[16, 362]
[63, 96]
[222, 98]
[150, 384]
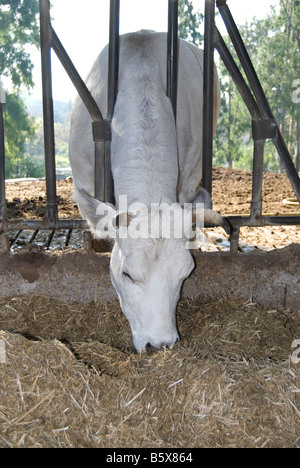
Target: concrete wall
[271, 279]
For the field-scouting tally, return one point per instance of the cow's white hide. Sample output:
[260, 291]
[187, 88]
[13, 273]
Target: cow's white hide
[153, 161]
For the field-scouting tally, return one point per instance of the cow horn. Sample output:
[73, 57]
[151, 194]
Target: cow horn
[211, 218]
[122, 219]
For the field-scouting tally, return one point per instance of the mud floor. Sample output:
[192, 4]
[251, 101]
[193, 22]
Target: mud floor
[71, 378]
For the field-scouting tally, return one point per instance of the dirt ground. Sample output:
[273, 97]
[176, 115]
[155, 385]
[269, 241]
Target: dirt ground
[71, 378]
[231, 195]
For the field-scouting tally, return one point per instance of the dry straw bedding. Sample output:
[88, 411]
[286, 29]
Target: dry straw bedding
[71, 378]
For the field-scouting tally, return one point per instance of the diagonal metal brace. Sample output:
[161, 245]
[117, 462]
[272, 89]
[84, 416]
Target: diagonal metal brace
[264, 129]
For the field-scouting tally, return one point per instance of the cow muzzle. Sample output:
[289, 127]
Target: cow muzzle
[144, 343]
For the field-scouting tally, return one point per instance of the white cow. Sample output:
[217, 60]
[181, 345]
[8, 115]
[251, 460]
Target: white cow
[153, 161]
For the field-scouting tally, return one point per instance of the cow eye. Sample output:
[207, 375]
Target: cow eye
[127, 275]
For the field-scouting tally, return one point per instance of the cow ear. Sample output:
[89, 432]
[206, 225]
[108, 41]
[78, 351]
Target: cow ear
[99, 215]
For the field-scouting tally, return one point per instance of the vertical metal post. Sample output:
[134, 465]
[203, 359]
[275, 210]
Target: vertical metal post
[173, 50]
[208, 94]
[113, 61]
[2, 168]
[257, 178]
[49, 142]
[112, 92]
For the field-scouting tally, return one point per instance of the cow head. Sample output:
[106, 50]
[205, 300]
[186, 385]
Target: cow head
[147, 268]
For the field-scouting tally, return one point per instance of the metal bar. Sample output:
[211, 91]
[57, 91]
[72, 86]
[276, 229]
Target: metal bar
[259, 93]
[257, 180]
[32, 238]
[244, 58]
[242, 221]
[99, 176]
[14, 239]
[3, 209]
[288, 162]
[234, 240]
[113, 61]
[68, 237]
[76, 79]
[109, 182]
[208, 94]
[50, 237]
[281, 220]
[32, 225]
[172, 57]
[96, 116]
[236, 75]
[80, 224]
[103, 173]
[49, 141]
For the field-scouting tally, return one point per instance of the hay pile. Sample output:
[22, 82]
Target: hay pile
[71, 378]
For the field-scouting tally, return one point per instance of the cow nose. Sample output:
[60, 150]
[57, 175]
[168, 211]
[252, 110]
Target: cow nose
[168, 343]
[149, 347]
[143, 344]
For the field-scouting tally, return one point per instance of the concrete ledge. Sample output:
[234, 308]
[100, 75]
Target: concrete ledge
[272, 279]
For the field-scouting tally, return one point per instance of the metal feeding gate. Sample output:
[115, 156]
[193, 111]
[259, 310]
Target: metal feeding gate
[264, 124]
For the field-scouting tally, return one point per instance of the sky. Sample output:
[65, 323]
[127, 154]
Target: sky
[83, 30]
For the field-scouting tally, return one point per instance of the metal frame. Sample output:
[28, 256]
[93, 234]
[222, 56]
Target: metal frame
[264, 125]
[263, 122]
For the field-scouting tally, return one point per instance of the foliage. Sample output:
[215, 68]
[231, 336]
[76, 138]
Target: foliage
[19, 128]
[18, 28]
[189, 22]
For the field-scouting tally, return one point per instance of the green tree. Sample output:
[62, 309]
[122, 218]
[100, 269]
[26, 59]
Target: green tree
[189, 22]
[18, 28]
